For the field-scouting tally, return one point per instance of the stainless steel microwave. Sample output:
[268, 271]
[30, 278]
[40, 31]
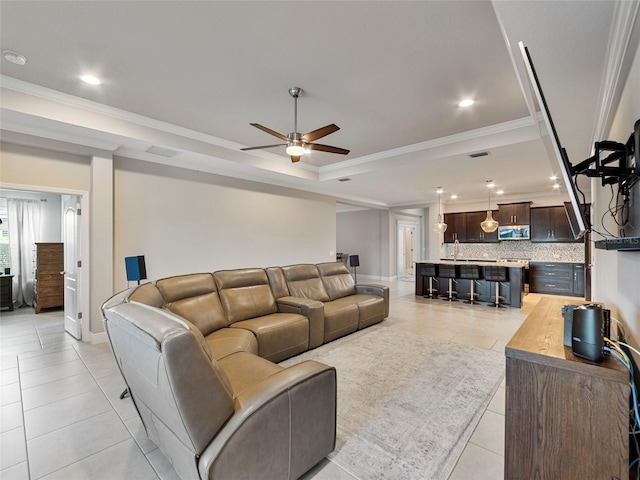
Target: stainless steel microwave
[514, 232]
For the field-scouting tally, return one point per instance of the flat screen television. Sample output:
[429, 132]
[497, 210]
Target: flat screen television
[557, 154]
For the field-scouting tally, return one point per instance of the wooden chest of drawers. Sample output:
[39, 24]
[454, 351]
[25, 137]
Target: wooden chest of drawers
[49, 284]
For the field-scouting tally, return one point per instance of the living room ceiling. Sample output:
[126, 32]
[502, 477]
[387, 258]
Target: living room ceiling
[191, 76]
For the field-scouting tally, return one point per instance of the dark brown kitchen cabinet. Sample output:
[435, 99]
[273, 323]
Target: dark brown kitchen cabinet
[550, 224]
[557, 278]
[456, 227]
[474, 232]
[514, 214]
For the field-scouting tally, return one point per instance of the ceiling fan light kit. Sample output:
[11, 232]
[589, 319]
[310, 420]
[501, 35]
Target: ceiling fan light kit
[297, 144]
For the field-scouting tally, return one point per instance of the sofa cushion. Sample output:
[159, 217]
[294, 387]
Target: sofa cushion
[371, 309]
[279, 335]
[336, 279]
[277, 281]
[340, 318]
[195, 298]
[148, 294]
[245, 294]
[227, 341]
[244, 369]
[304, 281]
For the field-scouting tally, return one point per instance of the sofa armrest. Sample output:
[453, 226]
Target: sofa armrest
[380, 290]
[289, 417]
[312, 309]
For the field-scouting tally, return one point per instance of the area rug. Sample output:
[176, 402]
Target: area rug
[407, 404]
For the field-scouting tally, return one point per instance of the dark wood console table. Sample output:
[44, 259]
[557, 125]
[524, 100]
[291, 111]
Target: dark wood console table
[566, 418]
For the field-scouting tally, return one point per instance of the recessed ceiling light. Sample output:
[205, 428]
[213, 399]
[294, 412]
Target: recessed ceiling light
[500, 192]
[553, 177]
[490, 184]
[439, 190]
[454, 196]
[90, 79]
[466, 103]
[14, 57]
[556, 186]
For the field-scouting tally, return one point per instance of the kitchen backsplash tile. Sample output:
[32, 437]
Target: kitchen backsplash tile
[522, 249]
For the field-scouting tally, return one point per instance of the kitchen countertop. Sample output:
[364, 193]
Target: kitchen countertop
[476, 262]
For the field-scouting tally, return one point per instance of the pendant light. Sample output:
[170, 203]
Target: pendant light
[489, 224]
[439, 227]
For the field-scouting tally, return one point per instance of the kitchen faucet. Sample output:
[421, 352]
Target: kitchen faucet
[456, 250]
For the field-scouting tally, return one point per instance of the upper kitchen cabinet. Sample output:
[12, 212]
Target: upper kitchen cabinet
[550, 224]
[474, 233]
[456, 227]
[514, 214]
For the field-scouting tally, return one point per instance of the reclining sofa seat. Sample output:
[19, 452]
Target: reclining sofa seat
[240, 417]
[249, 304]
[347, 306]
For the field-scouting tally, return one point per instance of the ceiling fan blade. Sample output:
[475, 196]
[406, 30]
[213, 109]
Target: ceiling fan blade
[264, 146]
[295, 158]
[270, 132]
[320, 132]
[327, 148]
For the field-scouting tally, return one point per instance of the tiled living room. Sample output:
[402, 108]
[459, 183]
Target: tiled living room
[62, 416]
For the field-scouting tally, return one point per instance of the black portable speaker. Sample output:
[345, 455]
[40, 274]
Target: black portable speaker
[354, 261]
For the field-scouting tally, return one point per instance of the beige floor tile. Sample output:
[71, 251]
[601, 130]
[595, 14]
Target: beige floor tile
[52, 374]
[13, 449]
[477, 463]
[489, 433]
[65, 446]
[497, 404]
[16, 472]
[327, 470]
[39, 395]
[10, 417]
[131, 464]
[63, 413]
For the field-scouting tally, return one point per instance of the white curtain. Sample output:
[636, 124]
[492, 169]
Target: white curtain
[24, 232]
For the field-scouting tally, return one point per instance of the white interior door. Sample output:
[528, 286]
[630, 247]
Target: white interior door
[70, 224]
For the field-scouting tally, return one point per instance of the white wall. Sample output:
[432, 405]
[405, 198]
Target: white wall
[617, 274]
[184, 221]
[364, 233]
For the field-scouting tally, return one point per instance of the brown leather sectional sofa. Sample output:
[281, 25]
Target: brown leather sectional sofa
[198, 355]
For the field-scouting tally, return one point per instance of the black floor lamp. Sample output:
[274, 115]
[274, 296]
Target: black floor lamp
[354, 261]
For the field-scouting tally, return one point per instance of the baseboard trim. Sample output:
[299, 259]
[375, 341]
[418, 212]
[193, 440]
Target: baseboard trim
[98, 338]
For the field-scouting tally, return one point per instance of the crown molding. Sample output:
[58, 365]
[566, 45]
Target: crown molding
[470, 135]
[617, 64]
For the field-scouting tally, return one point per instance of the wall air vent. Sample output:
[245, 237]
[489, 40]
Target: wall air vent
[479, 154]
[344, 179]
[162, 151]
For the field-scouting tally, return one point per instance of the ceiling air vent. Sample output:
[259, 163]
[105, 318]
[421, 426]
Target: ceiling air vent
[344, 179]
[478, 154]
[164, 152]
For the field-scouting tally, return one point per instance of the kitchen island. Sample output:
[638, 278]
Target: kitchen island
[512, 290]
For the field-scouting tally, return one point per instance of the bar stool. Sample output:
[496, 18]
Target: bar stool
[498, 275]
[430, 271]
[471, 273]
[448, 271]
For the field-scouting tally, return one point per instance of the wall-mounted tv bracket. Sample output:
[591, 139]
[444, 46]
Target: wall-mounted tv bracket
[621, 164]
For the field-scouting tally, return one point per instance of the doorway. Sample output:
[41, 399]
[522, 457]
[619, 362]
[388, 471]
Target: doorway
[74, 234]
[407, 246]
